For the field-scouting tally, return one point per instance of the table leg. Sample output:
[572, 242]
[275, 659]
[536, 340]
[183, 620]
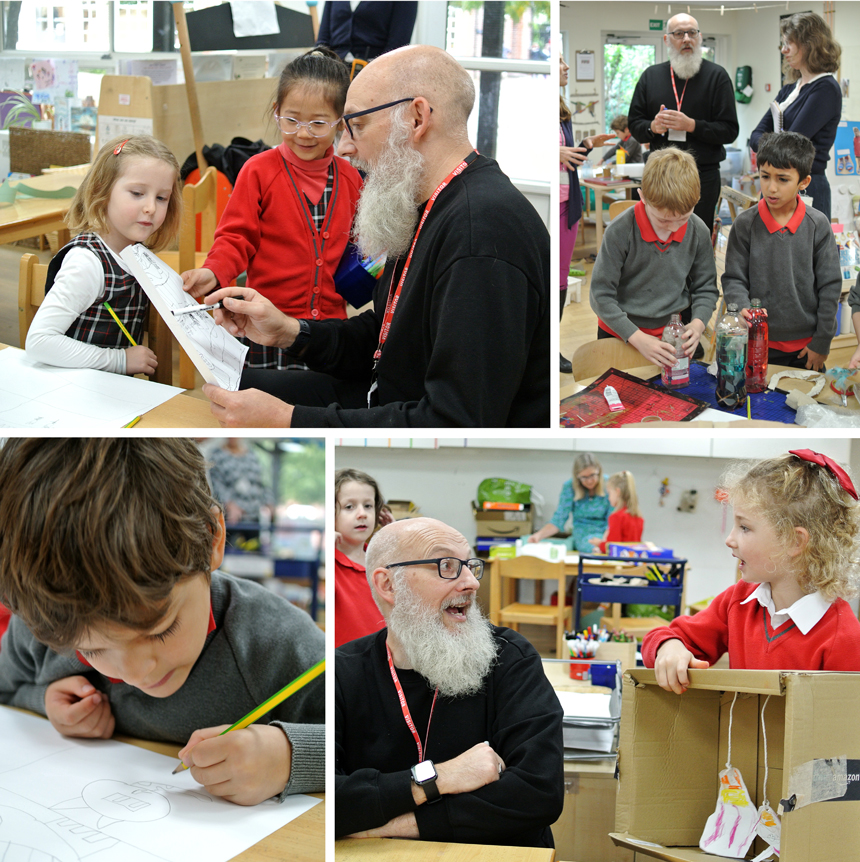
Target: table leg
[598, 218]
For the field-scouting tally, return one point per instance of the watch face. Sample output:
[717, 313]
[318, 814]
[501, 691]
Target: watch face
[424, 771]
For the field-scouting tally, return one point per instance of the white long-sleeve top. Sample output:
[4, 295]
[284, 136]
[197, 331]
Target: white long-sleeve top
[79, 283]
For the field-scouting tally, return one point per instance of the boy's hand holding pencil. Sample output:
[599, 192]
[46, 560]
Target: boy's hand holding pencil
[76, 709]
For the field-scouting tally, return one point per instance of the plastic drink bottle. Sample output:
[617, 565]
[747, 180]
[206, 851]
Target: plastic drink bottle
[731, 359]
[756, 372]
[620, 156]
[677, 375]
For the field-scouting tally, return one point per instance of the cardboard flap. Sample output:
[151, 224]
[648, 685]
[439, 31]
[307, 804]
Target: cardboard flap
[718, 679]
[669, 854]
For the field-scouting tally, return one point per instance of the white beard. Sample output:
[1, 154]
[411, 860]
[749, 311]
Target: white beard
[455, 662]
[388, 207]
[685, 65]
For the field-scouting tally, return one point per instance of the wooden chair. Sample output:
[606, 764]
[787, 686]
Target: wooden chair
[31, 293]
[595, 357]
[512, 613]
[197, 199]
[617, 207]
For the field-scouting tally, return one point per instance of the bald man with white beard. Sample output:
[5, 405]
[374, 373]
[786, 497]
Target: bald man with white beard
[701, 118]
[447, 728]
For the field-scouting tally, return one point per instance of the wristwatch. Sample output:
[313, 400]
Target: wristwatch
[302, 338]
[424, 775]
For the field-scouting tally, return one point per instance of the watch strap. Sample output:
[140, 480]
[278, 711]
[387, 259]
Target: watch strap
[302, 339]
[431, 791]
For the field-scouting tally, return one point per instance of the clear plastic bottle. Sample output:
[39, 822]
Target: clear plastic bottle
[677, 375]
[756, 370]
[731, 359]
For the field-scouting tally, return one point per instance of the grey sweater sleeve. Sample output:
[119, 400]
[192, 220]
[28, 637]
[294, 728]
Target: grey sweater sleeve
[736, 278]
[854, 296]
[703, 275]
[606, 276]
[828, 284]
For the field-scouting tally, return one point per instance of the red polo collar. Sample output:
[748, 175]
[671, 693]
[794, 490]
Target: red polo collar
[647, 229]
[209, 631]
[773, 225]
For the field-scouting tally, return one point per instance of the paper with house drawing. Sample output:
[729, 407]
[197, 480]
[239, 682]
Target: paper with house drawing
[82, 800]
[216, 354]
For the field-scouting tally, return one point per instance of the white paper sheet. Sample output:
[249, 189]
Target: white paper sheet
[33, 395]
[218, 356]
[254, 18]
[71, 800]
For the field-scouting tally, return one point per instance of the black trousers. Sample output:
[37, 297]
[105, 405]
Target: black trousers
[790, 359]
[706, 208]
[307, 388]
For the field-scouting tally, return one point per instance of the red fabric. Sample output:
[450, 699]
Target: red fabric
[823, 461]
[790, 346]
[310, 175]
[355, 612]
[623, 527]
[5, 616]
[264, 230]
[647, 229]
[773, 225]
[656, 331]
[745, 632]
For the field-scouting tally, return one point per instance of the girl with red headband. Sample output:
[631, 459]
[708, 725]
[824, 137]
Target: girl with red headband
[795, 537]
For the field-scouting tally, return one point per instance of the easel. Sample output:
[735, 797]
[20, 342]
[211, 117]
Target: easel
[190, 88]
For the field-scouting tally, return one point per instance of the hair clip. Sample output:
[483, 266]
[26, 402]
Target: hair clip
[117, 150]
[823, 461]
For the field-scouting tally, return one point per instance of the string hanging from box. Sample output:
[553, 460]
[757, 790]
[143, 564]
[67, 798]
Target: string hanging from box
[769, 827]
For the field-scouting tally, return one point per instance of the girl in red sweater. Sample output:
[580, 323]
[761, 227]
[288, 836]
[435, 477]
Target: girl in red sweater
[289, 217]
[795, 537]
[626, 521]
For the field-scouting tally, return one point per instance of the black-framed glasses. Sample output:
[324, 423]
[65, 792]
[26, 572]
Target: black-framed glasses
[679, 34]
[449, 567]
[316, 128]
[348, 117]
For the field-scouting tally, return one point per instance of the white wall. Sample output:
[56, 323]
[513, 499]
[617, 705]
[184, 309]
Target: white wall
[443, 482]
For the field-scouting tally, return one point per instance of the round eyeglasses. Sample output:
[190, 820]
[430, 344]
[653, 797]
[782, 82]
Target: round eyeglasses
[449, 568]
[316, 128]
[679, 34]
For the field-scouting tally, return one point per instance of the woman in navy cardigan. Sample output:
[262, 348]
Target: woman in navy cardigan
[812, 104]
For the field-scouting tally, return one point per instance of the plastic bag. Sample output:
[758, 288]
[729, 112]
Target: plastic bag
[504, 491]
[819, 416]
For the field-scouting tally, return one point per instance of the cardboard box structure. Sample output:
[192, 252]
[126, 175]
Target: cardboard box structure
[672, 748]
[503, 523]
[401, 509]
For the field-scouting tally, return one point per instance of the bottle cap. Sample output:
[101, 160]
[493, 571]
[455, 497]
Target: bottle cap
[732, 306]
[755, 303]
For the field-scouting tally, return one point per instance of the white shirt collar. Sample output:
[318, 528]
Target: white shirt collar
[805, 613]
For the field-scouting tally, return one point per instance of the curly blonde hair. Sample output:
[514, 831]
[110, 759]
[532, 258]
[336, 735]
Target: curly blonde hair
[789, 492]
[88, 211]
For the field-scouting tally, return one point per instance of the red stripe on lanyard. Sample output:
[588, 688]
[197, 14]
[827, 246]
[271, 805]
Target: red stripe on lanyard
[391, 303]
[678, 101]
[405, 708]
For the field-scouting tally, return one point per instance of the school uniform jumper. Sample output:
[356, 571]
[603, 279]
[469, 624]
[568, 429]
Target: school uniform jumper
[794, 270]
[639, 282]
[623, 527]
[517, 712]
[260, 642]
[588, 516]
[355, 612]
[744, 629]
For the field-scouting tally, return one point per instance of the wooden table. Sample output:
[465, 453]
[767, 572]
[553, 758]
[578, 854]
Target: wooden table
[36, 216]
[301, 840]
[599, 191]
[401, 850]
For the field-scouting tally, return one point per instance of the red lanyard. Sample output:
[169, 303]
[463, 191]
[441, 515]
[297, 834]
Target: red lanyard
[405, 707]
[391, 303]
[678, 101]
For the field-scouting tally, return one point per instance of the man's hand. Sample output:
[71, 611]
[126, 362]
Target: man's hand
[75, 708]
[653, 349]
[243, 766]
[255, 317]
[692, 334]
[572, 156]
[814, 361]
[677, 120]
[402, 826]
[658, 126]
[198, 282]
[673, 659]
[248, 408]
[140, 360]
[475, 767]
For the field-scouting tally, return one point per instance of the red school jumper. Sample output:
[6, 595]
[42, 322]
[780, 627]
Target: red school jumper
[623, 527]
[265, 230]
[833, 643]
[355, 612]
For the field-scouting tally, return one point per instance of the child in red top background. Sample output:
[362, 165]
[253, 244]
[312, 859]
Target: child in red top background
[626, 521]
[795, 537]
[290, 214]
[359, 507]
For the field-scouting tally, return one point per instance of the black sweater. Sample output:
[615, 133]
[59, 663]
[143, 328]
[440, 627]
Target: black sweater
[469, 342]
[709, 100]
[518, 713]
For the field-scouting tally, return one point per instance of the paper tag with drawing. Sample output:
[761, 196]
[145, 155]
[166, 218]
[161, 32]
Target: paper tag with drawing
[217, 355]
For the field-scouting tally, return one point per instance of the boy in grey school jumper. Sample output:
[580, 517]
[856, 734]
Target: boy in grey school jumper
[783, 252]
[657, 260]
[108, 552]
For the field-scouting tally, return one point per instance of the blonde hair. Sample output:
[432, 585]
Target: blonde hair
[671, 181]
[789, 492]
[821, 52]
[625, 484]
[88, 211]
[580, 463]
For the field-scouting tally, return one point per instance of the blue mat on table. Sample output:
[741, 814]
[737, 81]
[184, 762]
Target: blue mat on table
[768, 405]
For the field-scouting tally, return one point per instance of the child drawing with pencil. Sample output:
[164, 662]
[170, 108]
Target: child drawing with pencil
[109, 550]
[795, 539]
[94, 310]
